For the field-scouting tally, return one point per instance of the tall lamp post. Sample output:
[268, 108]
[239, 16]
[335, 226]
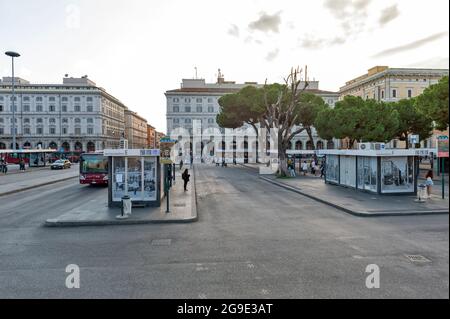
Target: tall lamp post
[13, 55]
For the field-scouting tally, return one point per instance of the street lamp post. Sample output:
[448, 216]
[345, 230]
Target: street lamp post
[13, 55]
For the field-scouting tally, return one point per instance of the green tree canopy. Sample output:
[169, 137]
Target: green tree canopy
[434, 103]
[412, 120]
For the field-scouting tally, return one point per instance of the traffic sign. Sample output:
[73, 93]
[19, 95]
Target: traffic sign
[442, 146]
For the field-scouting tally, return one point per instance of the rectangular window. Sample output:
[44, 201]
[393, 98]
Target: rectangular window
[27, 131]
[2, 132]
[39, 108]
[51, 99]
[26, 98]
[90, 130]
[210, 100]
[39, 130]
[89, 108]
[77, 108]
[210, 109]
[187, 109]
[199, 109]
[39, 99]
[64, 130]
[52, 108]
[77, 99]
[382, 94]
[199, 100]
[410, 93]
[394, 93]
[52, 131]
[64, 108]
[89, 99]
[64, 99]
[26, 108]
[1, 108]
[78, 130]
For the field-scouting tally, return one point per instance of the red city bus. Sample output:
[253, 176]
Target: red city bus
[93, 169]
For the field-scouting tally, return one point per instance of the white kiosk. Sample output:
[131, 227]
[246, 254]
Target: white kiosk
[385, 171]
[135, 173]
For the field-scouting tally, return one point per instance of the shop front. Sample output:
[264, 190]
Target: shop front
[383, 172]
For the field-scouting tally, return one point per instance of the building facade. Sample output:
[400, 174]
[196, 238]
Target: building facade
[73, 116]
[135, 130]
[158, 137]
[382, 83]
[151, 137]
[197, 100]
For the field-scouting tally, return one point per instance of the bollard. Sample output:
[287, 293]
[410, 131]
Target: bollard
[421, 193]
[126, 208]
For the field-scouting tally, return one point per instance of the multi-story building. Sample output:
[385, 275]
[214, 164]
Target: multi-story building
[75, 115]
[151, 137]
[382, 83]
[198, 100]
[135, 130]
[158, 137]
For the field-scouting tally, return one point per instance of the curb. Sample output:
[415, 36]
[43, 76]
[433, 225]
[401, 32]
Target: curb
[35, 186]
[194, 217]
[352, 212]
[68, 223]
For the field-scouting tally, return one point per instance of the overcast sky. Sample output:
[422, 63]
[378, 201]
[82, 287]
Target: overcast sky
[138, 49]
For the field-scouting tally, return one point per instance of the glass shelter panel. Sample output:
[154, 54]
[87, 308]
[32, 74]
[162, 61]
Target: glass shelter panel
[118, 186]
[397, 174]
[134, 178]
[332, 168]
[149, 179]
[367, 173]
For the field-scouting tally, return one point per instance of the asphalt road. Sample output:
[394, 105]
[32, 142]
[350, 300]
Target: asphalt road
[252, 240]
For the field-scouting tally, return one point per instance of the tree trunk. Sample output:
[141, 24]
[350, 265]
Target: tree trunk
[282, 148]
[308, 130]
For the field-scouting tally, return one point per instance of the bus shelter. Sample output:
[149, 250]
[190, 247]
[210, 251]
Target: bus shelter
[389, 171]
[136, 173]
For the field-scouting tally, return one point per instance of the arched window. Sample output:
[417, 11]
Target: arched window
[309, 145]
[298, 145]
[330, 145]
[319, 145]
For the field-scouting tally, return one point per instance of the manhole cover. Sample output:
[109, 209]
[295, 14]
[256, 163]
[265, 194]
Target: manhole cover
[418, 259]
[179, 205]
[161, 242]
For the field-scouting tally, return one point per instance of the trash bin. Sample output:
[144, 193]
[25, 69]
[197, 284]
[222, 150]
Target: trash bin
[421, 193]
[126, 205]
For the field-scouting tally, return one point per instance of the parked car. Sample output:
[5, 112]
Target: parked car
[60, 164]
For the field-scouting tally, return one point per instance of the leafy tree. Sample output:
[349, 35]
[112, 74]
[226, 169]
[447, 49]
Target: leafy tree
[358, 120]
[434, 103]
[310, 105]
[380, 123]
[412, 120]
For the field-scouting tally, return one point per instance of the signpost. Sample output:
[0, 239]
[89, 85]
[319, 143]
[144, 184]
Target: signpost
[442, 151]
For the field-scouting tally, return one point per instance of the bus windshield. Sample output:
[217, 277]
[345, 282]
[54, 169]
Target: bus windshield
[94, 164]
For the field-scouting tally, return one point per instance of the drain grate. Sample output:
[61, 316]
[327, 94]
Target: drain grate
[179, 205]
[161, 242]
[418, 259]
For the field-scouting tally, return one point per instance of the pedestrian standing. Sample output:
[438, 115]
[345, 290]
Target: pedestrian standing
[429, 182]
[181, 164]
[185, 178]
[313, 167]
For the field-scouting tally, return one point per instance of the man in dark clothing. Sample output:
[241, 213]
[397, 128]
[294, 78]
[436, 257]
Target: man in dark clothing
[185, 178]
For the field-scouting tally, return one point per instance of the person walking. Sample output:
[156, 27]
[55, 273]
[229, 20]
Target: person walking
[322, 170]
[304, 168]
[181, 164]
[185, 178]
[429, 182]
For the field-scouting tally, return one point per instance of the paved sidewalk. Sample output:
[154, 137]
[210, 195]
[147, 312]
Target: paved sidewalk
[183, 209]
[357, 202]
[17, 182]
